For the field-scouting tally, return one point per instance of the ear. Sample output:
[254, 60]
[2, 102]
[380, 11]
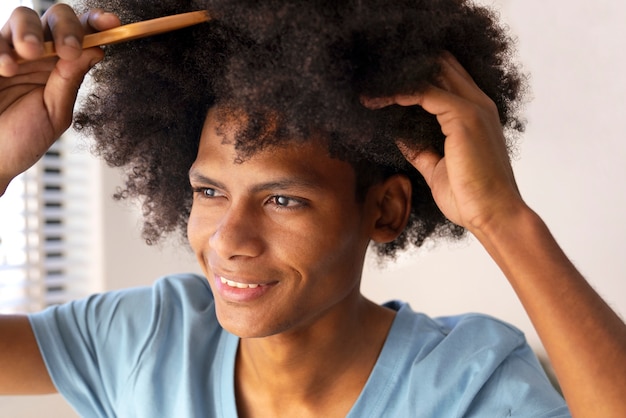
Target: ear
[393, 198]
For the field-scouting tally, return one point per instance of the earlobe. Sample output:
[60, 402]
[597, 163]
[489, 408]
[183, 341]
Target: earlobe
[394, 207]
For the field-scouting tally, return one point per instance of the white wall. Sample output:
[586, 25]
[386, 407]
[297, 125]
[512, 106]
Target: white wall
[129, 261]
[570, 169]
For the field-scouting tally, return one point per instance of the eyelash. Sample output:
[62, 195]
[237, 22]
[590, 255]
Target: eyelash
[292, 204]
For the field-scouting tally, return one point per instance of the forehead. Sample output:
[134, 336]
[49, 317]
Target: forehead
[308, 160]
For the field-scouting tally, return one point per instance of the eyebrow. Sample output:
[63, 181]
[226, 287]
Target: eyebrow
[196, 177]
[278, 184]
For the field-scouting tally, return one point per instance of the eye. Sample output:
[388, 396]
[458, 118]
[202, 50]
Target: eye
[282, 200]
[285, 202]
[205, 192]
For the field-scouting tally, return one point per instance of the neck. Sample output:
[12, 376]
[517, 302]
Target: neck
[325, 364]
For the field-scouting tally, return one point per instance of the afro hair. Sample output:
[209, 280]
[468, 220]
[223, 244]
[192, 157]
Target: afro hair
[300, 67]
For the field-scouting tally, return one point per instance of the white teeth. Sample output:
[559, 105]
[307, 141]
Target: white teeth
[238, 285]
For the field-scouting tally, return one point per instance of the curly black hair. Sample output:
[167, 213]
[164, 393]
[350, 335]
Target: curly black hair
[300, 67]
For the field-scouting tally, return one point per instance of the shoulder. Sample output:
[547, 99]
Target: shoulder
[96, 348]
[132, 312]
[188, 287]
[472, 362]
[478, 331]
[460, 332]
[188, 290]
[469, 344]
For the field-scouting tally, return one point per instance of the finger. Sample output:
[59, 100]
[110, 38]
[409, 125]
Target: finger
[374, 103]
[65, 29]
[68, 30]
[24, 33]
[425, 161]
[453, 64]
[63, 84]
[8, 66]
[30, 79]
[435, 100]
[27, 68]
[455, 78]
[97, 20]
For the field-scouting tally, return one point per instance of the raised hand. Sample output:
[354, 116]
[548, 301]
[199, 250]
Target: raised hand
[473, 183]
[37, 96]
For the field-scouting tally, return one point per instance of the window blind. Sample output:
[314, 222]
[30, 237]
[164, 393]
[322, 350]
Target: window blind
[46, 231]
[45, 223]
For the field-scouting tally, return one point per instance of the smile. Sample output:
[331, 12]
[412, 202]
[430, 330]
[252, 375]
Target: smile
[232, 283]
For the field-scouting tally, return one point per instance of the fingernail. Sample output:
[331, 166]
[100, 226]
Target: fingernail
[35, 43]
[376, 102]
[72, 42]
[31, 39]
[102, 13]
[5, 60]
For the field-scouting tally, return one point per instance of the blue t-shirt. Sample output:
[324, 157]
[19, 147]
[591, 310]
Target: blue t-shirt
[159, 352]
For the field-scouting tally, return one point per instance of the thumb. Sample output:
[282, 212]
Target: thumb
[63, 84]
[425, 161]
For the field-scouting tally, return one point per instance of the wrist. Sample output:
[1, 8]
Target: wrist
[513, 225]
[501, 219]
[523, 247]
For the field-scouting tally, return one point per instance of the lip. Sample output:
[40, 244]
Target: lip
[239, 290]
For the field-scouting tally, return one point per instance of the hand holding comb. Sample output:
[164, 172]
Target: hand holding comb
[135, 31]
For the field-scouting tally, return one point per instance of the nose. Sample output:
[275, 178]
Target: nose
[237, 233]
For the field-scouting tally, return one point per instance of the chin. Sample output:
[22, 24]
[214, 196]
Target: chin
[245, 327]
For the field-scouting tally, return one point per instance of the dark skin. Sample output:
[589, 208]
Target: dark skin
[473, 185]
[282, 243]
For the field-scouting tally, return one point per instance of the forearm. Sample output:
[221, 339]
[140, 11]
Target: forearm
[584, 338]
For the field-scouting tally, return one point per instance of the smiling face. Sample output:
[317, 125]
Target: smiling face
[281, 237]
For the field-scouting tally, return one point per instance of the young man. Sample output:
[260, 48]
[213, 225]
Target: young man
[278, 327]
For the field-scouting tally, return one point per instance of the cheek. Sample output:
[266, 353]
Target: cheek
[323, 248]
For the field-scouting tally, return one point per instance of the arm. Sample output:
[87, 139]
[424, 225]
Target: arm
[474, 187]
[584, 338]
[36, 102]
[23, 369]
[37, 97]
